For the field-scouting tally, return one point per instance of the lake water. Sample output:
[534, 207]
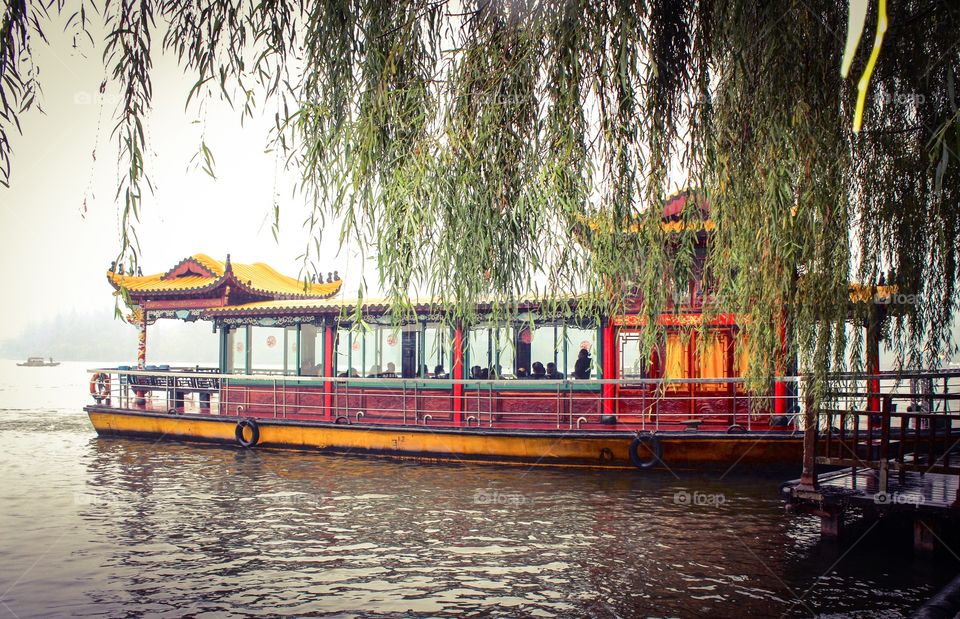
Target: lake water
[115, 527]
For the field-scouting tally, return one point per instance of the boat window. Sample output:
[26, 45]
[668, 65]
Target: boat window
[236, 350]
[409, 351]
[492, 348]
[384, 351]
[311, 350]
[437, 349]
[632, 363]
[291, 359]
[503, 352]
[712, 360]
[578, 338]
[479, 349]
[348, 353]
[543, 344]
[267, 347]
[676, 359]
[741, 354]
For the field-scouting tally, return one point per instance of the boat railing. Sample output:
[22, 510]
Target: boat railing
[724, 404]
[640, 404]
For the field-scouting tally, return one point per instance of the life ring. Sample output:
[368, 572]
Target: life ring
[100, 387]
[652, 444]
[242, 425]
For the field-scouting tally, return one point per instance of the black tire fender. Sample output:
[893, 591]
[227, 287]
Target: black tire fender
[652, 443]
[254, 432]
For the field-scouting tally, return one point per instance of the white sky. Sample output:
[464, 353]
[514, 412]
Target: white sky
[54, 259]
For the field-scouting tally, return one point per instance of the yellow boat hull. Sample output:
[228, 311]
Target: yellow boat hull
[549, 448]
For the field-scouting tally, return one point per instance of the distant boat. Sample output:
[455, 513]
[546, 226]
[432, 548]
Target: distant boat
[38, 362]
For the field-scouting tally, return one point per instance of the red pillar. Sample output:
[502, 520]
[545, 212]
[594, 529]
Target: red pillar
[329, 339]
[457, 374]
[873, 363]
[780, 391]
[609, 366]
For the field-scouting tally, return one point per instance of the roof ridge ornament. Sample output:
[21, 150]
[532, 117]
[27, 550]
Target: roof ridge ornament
[227, 267]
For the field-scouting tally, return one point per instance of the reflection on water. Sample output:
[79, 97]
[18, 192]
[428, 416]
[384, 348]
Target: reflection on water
[114, 527]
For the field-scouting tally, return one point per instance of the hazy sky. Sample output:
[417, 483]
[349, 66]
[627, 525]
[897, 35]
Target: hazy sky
[54, 256]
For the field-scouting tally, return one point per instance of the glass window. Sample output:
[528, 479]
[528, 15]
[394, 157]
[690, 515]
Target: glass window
[237, 350]
[712, 360]
[437, 350]
[504, 352]
[577, 339]
[478, 346]
[348, 353]
[543, 344]
[490, 347]
[741, 352]
[409, 351]
[385, 351]
[677, 361]
[369, 360]
[291, 361]
[311, 350]
[632, 363]
[266, 350]
[390, 344]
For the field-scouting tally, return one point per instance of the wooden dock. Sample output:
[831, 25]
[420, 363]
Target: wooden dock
[898, 456]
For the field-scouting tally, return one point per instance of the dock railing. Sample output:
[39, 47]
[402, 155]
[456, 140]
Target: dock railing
[634, 404]
[886, 422]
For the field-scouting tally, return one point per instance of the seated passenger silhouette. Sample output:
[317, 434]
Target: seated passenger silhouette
[552, 372]
[539, 372]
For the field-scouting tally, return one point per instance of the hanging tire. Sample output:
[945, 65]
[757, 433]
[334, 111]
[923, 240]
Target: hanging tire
[652, 443]
[239, 433]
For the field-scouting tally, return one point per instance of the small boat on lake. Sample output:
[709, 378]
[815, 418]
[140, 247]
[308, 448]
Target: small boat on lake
[38, 362]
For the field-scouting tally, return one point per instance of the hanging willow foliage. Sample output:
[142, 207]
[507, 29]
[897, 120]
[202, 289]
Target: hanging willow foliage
[500, 151]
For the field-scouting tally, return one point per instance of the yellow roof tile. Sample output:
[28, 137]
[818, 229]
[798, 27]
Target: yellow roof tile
[258, 277]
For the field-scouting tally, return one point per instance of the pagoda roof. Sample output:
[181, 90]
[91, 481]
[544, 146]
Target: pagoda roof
[200, 274]
[671, 221]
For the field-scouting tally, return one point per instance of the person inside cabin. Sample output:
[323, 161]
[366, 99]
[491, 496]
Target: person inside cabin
[438, 372]
[485, 374]
[539, 372]
[522, 373]
[374, 370]
[391, 370]
[354, 373]
[581, 369]
[475, 372]
[552, 372]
